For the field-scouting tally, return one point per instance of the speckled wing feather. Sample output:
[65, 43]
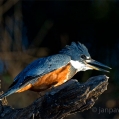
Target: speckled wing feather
[36, 69]
[43, 66]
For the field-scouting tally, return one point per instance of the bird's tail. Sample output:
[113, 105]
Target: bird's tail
[7, 93]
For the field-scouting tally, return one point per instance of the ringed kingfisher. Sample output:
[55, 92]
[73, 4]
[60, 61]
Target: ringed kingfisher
[52, 71]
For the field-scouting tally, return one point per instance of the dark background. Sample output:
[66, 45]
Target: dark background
[31, 29]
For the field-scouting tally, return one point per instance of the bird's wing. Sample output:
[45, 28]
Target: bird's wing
[40, 67]
[36, 69]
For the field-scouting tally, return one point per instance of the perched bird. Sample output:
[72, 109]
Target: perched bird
[54, 70]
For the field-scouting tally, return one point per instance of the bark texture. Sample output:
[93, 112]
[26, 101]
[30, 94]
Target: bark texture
[59, 102]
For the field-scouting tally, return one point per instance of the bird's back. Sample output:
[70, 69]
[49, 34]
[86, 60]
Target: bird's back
[33, 74]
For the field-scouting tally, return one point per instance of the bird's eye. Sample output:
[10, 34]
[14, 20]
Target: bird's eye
[83, 56]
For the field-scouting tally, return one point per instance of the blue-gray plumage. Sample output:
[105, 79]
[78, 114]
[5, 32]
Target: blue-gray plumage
[45, 72]
[75, 50]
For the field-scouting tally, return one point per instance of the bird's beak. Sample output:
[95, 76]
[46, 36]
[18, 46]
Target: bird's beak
[92, 64]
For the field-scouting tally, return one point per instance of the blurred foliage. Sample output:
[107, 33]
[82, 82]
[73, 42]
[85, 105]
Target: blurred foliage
[30, 29]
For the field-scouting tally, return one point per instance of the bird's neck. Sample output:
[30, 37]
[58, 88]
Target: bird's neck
[77, 65]
[72, 72]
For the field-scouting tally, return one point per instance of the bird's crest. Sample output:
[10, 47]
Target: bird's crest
[75, 50]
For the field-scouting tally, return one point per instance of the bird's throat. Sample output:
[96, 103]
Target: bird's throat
[77, 65]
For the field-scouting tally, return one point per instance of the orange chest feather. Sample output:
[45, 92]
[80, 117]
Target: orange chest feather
[54, 78]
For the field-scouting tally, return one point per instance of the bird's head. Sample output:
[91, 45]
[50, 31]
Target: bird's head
[81, 59]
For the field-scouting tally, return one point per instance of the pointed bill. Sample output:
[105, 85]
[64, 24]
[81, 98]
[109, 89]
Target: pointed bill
[95, 65]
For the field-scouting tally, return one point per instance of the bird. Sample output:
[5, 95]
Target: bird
[54, 70]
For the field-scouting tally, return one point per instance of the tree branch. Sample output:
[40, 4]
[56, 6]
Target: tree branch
[59, 102]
